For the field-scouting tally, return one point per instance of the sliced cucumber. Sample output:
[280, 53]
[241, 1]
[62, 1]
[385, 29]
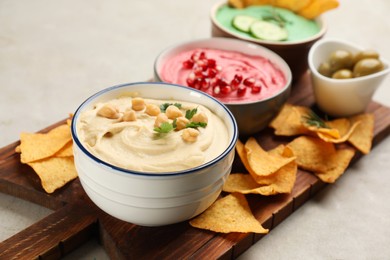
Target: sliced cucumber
[243, 22]
[268, 31]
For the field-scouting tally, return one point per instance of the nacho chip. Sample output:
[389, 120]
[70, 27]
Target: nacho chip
[65, 151]
[37, 146]
[261, 162]
[338, 163]
[282, 181]
[312, 153]
[289, 121]
[293, 5]
[317, 7]
[54, 172]
[229, 214]
[339, 130]
[361, 137]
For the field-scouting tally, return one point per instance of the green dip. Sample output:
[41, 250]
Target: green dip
[298, 27]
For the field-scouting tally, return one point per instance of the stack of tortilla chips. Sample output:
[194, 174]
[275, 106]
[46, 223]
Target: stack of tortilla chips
[318, 146]
[50, 155]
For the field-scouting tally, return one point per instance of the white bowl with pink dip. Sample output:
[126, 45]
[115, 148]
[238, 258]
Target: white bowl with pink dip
[251, 80]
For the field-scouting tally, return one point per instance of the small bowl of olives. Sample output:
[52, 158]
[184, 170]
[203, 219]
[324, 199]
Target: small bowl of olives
[344, 76]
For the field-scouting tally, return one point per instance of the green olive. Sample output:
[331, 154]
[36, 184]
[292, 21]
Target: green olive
[342, 74]
[366, 54]
[366, 67]
[341, 59]
[324, 69]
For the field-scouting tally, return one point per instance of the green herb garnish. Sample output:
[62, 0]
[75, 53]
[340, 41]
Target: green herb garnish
[164, 106]
[196, 125]
[313, 119]
[164, 128]
[191, 113]
[276, 17]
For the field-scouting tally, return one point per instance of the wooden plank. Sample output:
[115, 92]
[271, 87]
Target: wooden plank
[76, 219]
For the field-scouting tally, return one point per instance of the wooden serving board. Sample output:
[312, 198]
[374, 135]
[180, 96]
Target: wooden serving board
[76, 219]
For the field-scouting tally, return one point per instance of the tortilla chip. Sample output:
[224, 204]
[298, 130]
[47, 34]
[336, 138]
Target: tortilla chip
[361, 138]
[229, 214]
[37, 146]
[317, 7]
[281, 181]
[312, 153]
[65, 151]
[289, 121]
[338, 163]
[261, 162]
[54, 172]
[342, 126]
[293, 5]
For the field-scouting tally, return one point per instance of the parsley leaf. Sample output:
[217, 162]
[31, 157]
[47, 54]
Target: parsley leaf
[164, 106]
[165, 127]
[191, 113]
[196, 125]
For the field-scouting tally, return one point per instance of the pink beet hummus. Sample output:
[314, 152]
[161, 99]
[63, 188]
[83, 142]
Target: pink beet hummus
[232, 77]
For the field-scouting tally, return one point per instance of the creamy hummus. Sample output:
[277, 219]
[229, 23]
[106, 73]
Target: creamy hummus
[229, 63]
[134, 145]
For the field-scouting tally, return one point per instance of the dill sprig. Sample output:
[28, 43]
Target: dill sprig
[313, 119]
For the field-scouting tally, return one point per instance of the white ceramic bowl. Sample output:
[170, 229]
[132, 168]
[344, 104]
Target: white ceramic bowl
[252, 116]
[154, 199]
[341, 97]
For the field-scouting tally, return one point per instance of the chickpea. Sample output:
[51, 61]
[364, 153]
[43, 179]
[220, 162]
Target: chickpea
[190, 135]
[161, 118]
[173, 112]
[108, 111]
[129, 115]
[200, 118]
[152, 110]
[138, 104]
[181, 123]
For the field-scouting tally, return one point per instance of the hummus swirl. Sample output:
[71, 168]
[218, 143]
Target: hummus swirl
[134, 145]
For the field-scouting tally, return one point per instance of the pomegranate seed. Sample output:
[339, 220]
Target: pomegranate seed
[202, 55]
[200, 82]
[211, 73]
[241, 91]
[235, 83]
[226, 90]
[223, 83]
[217, 90]
[211, 63]
[238, 77]
[188, 64]
[195, 56]
[198, 71]
[191, 79]
[256, 88]
[202, 63]
[214, 81]
[205, 84]
[249, 82]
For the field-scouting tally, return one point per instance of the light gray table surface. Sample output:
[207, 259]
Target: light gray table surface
[54, 54]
